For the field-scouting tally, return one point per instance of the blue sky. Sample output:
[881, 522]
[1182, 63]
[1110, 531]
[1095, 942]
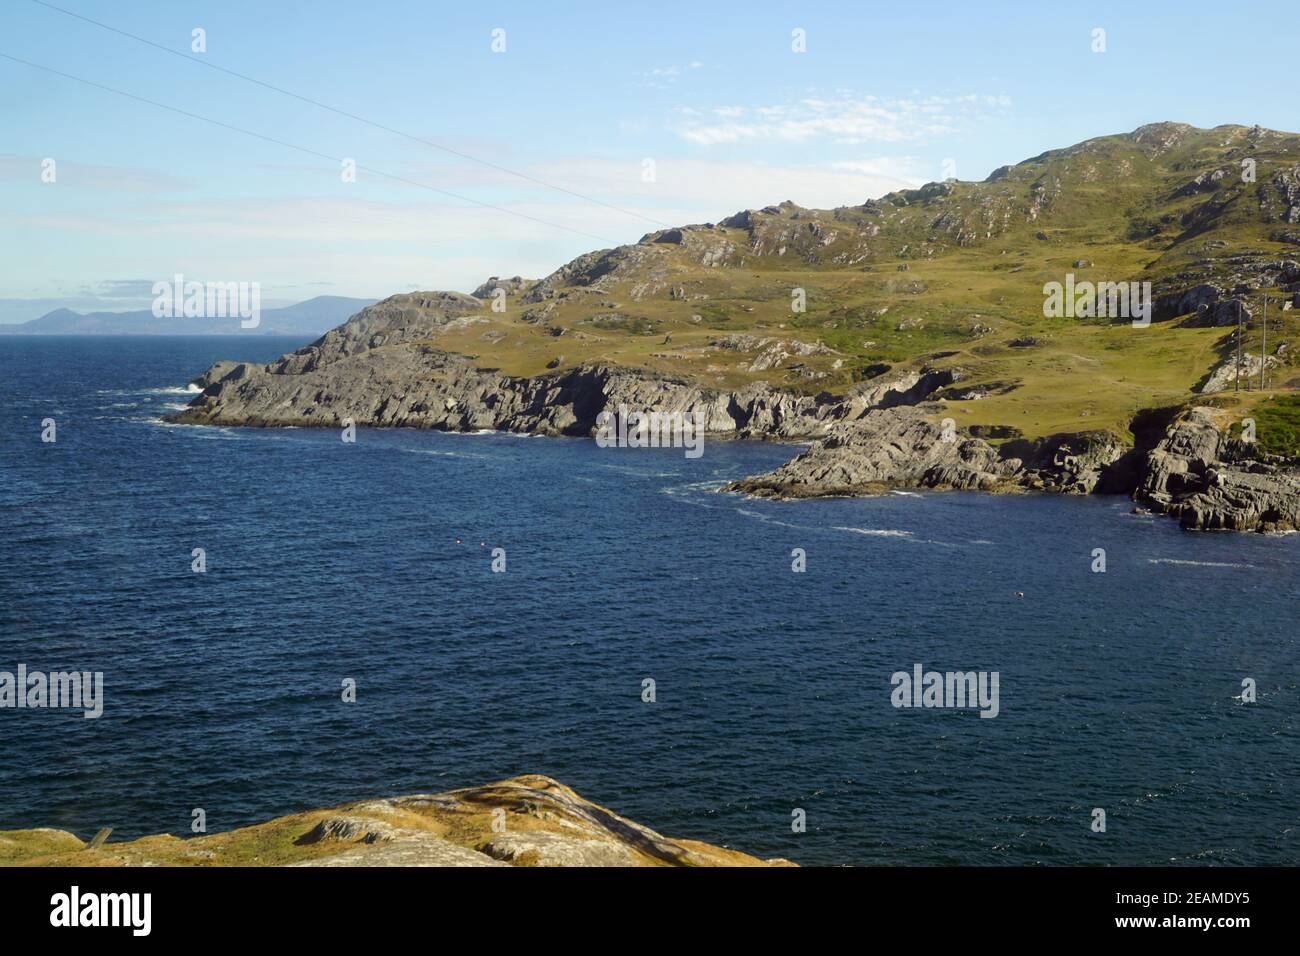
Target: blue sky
[584, 93]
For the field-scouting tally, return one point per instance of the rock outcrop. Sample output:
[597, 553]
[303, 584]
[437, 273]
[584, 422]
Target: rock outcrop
[901, 446]
[1232, 370]
[915, 447]
[1211, 481]
[525, 821]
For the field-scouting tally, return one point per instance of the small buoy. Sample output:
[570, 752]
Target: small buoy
[1020, 594]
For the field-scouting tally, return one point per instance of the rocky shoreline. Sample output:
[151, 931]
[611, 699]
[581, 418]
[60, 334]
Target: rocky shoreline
[525, 821]
[383, 368]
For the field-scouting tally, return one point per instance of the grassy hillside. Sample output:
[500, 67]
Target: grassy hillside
[950, 274]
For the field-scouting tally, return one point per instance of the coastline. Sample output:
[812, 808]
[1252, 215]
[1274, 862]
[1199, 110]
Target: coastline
[881, 436]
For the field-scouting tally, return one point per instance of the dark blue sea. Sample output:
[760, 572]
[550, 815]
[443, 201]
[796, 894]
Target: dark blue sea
[371, 561]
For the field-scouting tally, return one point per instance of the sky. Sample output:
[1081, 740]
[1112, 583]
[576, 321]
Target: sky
[588, 125]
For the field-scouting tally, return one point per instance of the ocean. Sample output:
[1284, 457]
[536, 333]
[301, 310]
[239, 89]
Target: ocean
[371, 562]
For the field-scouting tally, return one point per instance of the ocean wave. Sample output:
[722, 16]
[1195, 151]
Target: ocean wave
[190, 389]
[198, 431]
[1202, 564]
[444, 454]
[165, 390]
[877, 532]
[638, 473]
[692, 492]
[769, 520]
[693, 487]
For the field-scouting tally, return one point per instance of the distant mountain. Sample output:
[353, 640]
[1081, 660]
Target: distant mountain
[312, 317]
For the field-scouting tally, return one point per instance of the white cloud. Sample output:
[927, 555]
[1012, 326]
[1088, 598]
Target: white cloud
[706, 190]
[842, 117]
[387, 236]
[662, 77]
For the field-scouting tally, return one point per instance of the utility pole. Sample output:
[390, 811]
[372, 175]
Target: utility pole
[1239, 336]
[1263, 345]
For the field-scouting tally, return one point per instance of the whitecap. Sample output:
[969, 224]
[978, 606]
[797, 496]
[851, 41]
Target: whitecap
[171, 390]
[878, 532]
[766, 520]
[442, 454]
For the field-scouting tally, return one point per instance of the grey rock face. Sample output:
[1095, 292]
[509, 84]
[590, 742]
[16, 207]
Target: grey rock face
[383, 368]
[901, 446]
[1194, 301]
[1212, 482]
[1227, 372]
[395, 320]
[1076, 464]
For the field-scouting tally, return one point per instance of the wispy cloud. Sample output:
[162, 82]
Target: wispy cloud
[710, 189]
[842, 118]
[662, 77]
[131, 289]
[67, 172]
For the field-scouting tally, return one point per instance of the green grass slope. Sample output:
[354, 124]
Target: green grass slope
[949, 274]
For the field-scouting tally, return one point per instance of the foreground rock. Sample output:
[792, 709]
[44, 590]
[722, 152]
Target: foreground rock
[526, 821]
[1211, 481]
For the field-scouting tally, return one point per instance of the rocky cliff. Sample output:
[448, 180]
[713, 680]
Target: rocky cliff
[1197, 472]
[384, 368]
[526, 821]
[1211, 481]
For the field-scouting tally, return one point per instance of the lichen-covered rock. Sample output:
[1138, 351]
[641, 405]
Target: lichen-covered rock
[525, 821]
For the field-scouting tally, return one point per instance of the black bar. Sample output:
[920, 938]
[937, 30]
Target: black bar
[652, 906]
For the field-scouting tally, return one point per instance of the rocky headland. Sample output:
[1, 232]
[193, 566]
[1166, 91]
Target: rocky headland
[852, 330]
[383, 369]
[525, 821]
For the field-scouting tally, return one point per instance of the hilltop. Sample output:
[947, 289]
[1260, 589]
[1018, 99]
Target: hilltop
[786, 322]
